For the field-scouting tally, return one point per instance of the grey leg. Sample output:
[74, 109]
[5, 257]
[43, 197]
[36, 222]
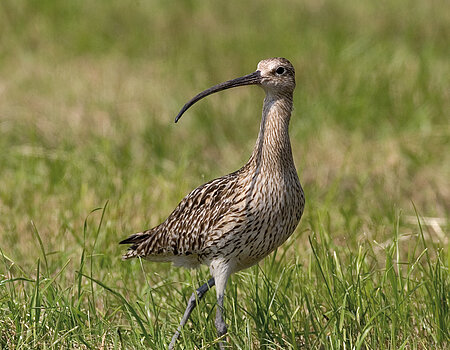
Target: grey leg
[221, 277]
[221, 326]
[192, 303]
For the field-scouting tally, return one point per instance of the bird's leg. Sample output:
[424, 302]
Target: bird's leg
[192, 303]
[221, 326]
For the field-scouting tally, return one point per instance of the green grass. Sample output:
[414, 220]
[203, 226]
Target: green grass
[90, 154]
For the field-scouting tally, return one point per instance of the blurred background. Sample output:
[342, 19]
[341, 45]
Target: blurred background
[89, 91]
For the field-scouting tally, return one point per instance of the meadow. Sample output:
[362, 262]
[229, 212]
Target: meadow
[89, 154]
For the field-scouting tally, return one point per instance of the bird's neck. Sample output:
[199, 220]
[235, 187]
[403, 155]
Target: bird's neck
[273, 148]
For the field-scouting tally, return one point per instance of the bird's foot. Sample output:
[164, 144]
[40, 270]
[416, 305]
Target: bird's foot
[222, 329]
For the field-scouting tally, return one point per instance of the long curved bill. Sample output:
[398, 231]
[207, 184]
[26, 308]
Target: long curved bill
[250, 79]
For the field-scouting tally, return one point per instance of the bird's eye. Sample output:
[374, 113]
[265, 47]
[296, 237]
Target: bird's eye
[280, 70]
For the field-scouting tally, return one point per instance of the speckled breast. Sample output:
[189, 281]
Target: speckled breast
[270, 210]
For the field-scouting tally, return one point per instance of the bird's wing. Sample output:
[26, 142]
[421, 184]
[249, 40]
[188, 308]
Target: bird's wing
[185, 231]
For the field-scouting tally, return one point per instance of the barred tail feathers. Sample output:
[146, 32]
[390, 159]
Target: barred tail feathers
[135, 240]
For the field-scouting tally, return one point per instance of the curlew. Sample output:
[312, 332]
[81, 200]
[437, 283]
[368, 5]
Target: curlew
[233, 222]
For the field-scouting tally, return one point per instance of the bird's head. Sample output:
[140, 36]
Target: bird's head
[275, 75]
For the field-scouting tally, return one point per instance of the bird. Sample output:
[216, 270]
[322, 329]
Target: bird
[233, 222]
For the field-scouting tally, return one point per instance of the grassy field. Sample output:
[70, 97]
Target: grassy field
[89, 154]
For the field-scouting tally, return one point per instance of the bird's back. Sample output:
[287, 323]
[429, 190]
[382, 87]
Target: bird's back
[182, 236]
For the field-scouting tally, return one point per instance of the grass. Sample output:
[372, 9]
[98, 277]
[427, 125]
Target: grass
[90, 154]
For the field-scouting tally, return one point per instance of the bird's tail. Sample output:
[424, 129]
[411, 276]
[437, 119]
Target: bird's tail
[135, 240]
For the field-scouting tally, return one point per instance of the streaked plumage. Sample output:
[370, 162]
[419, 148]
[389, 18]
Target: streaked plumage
[233, 222]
